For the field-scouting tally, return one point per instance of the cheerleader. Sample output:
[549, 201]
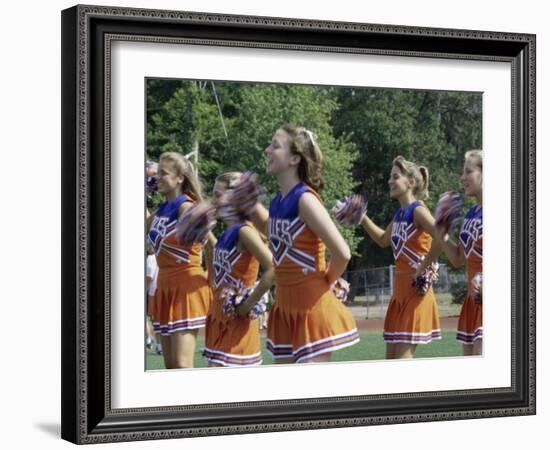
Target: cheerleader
[307, 322]
[234, 340]
[412, 317]
[469, 251]
[183, 296]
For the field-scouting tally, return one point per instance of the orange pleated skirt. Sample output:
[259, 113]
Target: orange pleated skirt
[231, 341]
[182, 300]
[307, 320]
[411, 318]
[470, 325]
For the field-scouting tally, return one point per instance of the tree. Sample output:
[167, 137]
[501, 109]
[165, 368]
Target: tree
[430, 128]
[232, 123]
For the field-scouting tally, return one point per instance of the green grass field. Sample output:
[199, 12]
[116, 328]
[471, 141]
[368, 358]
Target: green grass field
[371, 347]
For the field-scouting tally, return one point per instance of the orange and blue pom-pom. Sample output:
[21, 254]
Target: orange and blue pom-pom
[449, 210]
[233, 296]
[244, 194]
[350, 210]
[195, 223]
[340, 289]
[426, 279]
[477, 284]
[151, 180]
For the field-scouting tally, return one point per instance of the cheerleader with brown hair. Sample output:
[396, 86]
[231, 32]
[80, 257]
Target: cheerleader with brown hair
[183, 296]
[307, 322]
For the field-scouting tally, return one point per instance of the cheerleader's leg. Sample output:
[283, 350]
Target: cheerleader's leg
[404, 351]
[477, 347]
[167, 355]
[323, 357]
[183, 350]
[474, 349]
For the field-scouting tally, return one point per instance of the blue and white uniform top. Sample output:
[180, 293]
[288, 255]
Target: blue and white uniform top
[409, 244]
[471, 233]
[226, 255]
[297, 251]
[471, 241]
[169, 252]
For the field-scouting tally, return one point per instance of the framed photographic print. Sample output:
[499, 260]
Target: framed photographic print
[220, 91]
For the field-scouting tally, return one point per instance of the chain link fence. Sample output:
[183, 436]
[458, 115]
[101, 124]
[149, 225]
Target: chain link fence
[372, 288]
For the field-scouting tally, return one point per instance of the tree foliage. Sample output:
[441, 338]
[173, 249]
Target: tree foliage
[360, 131]
[433, 129]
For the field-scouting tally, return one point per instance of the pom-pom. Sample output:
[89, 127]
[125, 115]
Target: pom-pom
[233, 296]
[244, 193]
[477, 282]
[151, 180]
[225, 209]
[448, 212]
[426, 279]
[350, 210]
[340, 288]
[195, 223]
[259, 308]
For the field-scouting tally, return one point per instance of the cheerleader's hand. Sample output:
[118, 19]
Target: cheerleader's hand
[441, 234]
[242, 310]
[234, 301]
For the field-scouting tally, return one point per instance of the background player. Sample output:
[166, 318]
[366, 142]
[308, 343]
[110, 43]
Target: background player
[183, 295]
[411, 318]
[235, 341]
[469, 251]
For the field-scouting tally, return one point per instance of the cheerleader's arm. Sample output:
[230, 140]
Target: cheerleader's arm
[259, 217]
[149, 218]
[454, 251]
[208, 249]
[423, 219]
[316, 217]
[250, 240]
[380, 236]
[184, 207]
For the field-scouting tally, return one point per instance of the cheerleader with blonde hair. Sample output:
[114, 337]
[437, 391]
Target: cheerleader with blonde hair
[412, 317]
[469, 251]
[183, 296]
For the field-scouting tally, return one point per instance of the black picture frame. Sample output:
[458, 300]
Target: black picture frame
[87, 415]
